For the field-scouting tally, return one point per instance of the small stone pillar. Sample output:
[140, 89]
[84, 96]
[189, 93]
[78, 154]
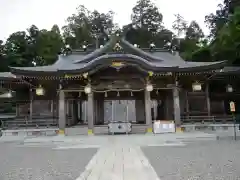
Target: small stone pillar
[90, 113]
[62, 112]
[148, 111]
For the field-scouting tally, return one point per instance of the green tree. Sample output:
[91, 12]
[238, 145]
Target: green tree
[85, 27]
[3, 60]
[146, 15]
[17, 49]
[192, 42]
[179, 25]
[146, 26]
[48, 46]
[227, 44]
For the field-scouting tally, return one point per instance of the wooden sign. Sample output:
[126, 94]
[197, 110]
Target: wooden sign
[232, 106]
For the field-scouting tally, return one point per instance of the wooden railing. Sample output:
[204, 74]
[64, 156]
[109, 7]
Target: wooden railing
[35, 122]
[219, 119]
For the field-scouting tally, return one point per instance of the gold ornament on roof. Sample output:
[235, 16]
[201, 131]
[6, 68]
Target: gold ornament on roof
[150, 73]
[117, 64]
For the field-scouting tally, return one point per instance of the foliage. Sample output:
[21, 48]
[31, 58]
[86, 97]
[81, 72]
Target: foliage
[84, 27]
[35, 47]
[146, 26]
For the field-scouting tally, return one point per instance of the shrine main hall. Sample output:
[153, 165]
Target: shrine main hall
[85, 90]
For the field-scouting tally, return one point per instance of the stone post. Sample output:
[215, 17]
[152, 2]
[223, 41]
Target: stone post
[90, 113]
[148, 111]
[62, 112]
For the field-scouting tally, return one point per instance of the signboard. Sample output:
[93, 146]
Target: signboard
[232, 106]
[163, 127]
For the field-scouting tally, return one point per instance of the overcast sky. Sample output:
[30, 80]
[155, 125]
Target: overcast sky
[16, 15]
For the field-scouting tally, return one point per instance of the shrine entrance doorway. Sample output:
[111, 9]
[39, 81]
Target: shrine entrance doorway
[119, 111]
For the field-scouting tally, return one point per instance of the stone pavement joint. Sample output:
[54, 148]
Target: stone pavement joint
[118, 163]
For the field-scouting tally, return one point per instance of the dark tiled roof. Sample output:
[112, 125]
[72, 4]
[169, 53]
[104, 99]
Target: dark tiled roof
[156, 61]
[7, 75]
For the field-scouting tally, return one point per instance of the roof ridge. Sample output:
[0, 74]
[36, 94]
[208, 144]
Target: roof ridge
[140, 51]
[99, 51]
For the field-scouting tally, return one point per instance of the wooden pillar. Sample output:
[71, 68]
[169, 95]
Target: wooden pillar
[75, 112]
[31, 105]
[176, 106]
[62, 111]
[101, 111]
[17, 110]
[148, 111]
[208, 99]
[139, 109]
[79, 106]
[51, 106]
[90, 113]
[187, 104]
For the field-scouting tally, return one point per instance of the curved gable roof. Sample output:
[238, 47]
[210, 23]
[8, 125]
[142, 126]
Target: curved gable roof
[154, 61]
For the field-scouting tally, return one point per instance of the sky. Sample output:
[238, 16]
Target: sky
[18, 15]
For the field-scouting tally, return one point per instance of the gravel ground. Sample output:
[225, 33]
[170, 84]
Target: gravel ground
[42, 163]
[215, 160]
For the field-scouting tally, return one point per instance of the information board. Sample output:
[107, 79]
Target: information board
[163, 127]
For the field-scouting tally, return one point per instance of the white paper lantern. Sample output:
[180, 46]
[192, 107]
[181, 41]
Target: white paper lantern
[87, 89]
[9, 94]
[149, 87]
[40, 91]
[229, 88]
[196, 86]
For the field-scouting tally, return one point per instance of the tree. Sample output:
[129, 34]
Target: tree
[48, 46]
[227, 43]
[146, 26]
[86, 27]
[179, 25]
[192, 41]
[77, 31]
[17, 49]
[216, 21]
[146, 15]
[3, 61]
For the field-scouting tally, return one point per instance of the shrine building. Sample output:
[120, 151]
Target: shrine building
[86, 89]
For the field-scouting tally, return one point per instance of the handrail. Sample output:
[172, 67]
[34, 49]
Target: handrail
[207, 119]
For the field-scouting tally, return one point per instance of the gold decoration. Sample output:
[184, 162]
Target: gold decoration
[117, 64]
[67, 76]
[150, 73]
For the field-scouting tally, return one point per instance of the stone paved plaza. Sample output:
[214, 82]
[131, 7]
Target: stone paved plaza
[42, 163]
[214, 160]
[120, 158]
